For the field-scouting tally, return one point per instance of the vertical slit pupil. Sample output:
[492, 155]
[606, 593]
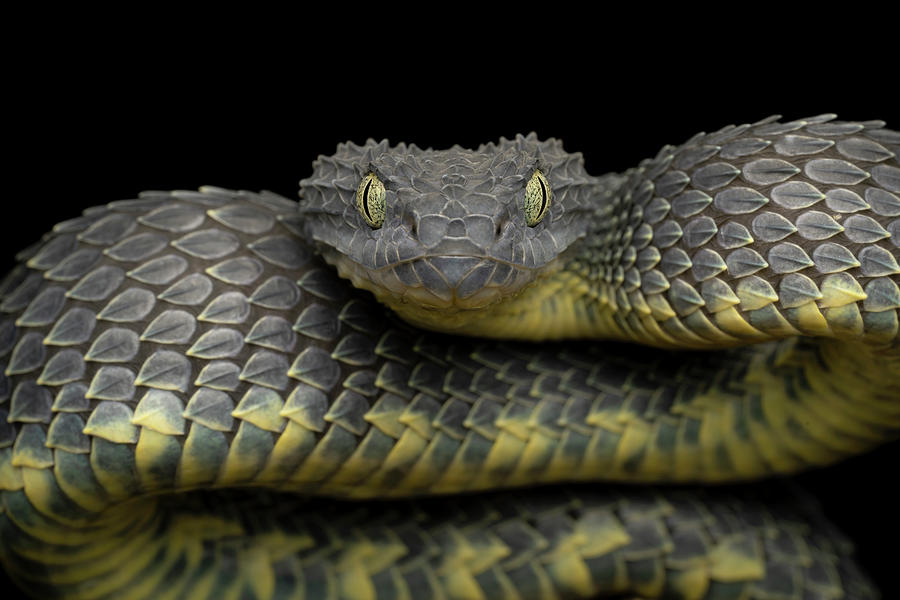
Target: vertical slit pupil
[543, 196]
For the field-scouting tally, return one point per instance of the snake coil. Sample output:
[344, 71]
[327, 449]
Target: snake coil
[193, 402]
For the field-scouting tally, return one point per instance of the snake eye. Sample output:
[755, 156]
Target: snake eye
[370, 200]
[537, 198]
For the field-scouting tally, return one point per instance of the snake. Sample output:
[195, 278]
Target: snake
[459, 374]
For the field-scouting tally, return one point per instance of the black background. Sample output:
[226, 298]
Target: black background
[95, 122]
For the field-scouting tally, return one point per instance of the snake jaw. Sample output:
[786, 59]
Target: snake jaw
[441, 292]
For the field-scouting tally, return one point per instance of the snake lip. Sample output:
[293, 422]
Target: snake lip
[439, 282]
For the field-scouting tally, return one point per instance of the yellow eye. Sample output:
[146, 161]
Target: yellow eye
[537, 198]
[370, 200]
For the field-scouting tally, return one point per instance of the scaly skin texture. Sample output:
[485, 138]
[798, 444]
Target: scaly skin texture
[195, 340]
[739, 236]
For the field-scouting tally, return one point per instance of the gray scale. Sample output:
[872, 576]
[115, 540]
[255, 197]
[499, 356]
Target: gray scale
[207, 244]
[63, 367]
[647, 258]
[798, 145]
[887, 176]
[211, 408]
[315, 367]
[160, 271]
[796, 194]
[834, 171]
[15, 278]
[797, 289]
[227, 308]
[217, 343]
[114, 345]
[44, 309]
[190, 290]
[775, 128]
[863, 229]
[835, 129]
[714, 176]
[745, 146]
[881, 294]
[666, 234]
[768, 171]
[28, 354]
[673, 182]
[882, 202]
[707, 263]
[244, 218]
[348, 411]
[280, 251]
[267, 369]
[861, 149]
[219, 375]
[744, 261]
[53, 252]
[656, 210]
[170, 327]
[66, 433]
[74, 266]
[242, 270]
[74, 225]
[817, 225]
[130, 306]
[277, 293]
[876, 261]
[787, 257]
[699, 231]
[739, 200]
[165, 370]
[654, 282]
[845, 201]
[771, 227]
[71, 398]
[174, 218]
[138, 247]
[832, 258]
[108, 230]
[98, 284]
[30, 403]
[272, 332]
[73, 327]
[690, 203]
[111, 383]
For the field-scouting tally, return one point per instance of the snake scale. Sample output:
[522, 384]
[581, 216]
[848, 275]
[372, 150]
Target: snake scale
[196, 405]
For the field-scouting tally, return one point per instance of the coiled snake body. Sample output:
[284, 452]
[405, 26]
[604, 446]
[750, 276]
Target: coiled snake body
[189, 384]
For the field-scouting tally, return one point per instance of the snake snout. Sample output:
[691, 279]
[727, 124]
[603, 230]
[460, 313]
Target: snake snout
[458, 267]
[470, 234]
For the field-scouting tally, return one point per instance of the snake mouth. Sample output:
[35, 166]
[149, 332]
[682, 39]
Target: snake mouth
[443, 284]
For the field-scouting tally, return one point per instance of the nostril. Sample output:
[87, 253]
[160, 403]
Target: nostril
[501, 223]
[411, 224]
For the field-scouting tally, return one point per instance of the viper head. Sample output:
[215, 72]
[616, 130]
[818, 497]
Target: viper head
[437, 234]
